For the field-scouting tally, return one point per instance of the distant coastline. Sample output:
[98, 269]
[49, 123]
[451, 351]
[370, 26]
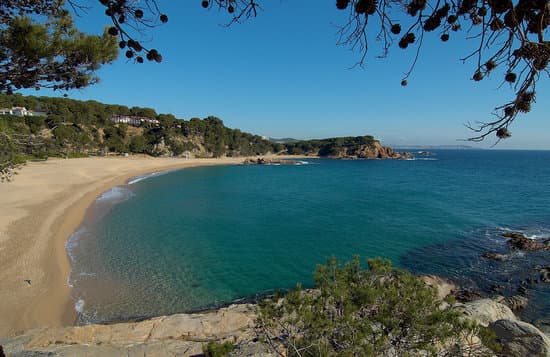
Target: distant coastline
[435, 147]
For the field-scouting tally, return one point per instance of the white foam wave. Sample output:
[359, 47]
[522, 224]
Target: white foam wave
[79, 305]
[86, 274]
[533, 233]
[117, 193]
[139, 178]
[517, 254]
[300, 162]
[72, 242]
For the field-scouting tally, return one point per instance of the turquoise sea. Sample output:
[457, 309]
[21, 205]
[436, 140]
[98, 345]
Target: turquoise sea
[203, 237]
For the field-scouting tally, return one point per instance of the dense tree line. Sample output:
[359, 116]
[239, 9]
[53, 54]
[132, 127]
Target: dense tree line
[71, 128]
[329, 147]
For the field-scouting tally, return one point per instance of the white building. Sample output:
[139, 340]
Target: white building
[20, 112]
[133, 120]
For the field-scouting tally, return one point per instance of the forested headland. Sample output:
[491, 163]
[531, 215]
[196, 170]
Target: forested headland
[62, 127]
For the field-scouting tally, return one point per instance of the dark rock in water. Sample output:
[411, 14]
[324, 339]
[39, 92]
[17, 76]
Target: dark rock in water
[513, 235]
[515, 302]
[262, 161]
[545, 274]
[520, 339]
[466, 295]
[522, 290]
[494, 256]
[521, 242]
[496, 288]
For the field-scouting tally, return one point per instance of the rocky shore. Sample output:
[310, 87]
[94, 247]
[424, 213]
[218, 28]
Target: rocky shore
[187, 334]
[519, 242]
[268, 161]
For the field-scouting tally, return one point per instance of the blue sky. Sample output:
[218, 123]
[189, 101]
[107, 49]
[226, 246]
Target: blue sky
[282, 75]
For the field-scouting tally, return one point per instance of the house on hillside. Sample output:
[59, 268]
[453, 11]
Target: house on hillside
[133, 120]
[20, 112]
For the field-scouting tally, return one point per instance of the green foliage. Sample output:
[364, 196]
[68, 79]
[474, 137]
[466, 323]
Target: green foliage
[85, 127]
[217, 349]
[51, 53]
[362, 312]
[138, 144]
[8, 157]
[330, 147]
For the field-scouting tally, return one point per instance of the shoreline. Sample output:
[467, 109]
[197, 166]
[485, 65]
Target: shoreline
[43, 206]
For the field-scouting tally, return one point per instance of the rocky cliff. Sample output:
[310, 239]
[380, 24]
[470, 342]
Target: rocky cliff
[374, 151]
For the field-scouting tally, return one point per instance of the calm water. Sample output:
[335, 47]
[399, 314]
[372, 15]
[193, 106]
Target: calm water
[202, 237]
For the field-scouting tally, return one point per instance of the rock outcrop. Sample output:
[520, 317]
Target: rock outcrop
[521, 242]
[374, 151]
[516, 302]
[519, 339]
[383, 152]
[485, 311]
[494, 256]
[178, 335]
[262, 161]
[443, 286]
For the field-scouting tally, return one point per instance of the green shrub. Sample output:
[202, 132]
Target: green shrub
[217, 349]
[377, 311]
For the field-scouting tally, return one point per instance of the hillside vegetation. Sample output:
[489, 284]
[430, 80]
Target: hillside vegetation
[72, 127]
[64, 127]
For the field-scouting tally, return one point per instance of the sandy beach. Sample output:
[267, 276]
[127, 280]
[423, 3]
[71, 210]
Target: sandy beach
[39, 210]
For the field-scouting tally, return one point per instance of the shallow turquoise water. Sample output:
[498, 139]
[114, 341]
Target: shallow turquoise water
[202, 237]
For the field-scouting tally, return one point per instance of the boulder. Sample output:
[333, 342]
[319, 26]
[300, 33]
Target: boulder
[516, 302]
[444, 287]
[465, 295]
[520, 339]
[485, 311]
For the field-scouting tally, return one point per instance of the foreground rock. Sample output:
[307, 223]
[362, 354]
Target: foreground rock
[485, 311]
[175, 335]
[515, 302]
[185, 334]
[443, 286]
[521, 242]
[520, 339]
[466, 295]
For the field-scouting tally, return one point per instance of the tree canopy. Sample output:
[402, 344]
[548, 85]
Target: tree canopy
[508, 37]
[39, 47]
